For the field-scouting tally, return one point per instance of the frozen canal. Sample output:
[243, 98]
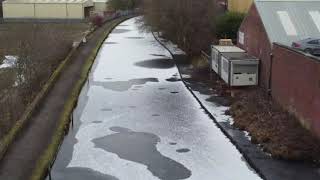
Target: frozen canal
[136, 121]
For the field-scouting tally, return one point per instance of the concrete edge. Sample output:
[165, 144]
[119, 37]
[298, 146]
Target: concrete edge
[47, 159]
[249, 161]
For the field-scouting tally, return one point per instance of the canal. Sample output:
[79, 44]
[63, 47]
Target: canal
[135, 120]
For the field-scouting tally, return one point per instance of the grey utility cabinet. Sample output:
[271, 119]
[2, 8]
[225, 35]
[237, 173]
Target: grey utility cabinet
[239, 69]
[216, 51]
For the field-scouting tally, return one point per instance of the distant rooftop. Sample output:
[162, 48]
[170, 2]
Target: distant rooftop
[290, 20]
[45, 1]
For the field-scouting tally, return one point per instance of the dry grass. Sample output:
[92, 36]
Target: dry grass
[277, 131]
[41, 48]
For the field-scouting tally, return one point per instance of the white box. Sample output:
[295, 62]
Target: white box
[239, 69]
[216, 55]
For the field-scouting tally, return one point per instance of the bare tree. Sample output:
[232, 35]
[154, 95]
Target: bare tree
[189, 23]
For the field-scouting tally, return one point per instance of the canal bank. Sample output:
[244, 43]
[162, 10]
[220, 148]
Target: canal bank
[210, 91]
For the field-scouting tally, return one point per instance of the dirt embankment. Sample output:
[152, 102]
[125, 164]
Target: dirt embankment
[277, 131]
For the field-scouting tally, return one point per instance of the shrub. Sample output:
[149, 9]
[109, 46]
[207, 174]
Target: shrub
[227, 25]
[97, 20]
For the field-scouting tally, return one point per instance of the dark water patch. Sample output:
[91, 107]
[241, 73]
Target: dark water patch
[155, 115]
[222, 101]
[135, 37]
[106, 109]
[110, 43]
[162, 88]
[123, 85]
[161, 63]
[174, 92]
[173, 79]
[158, 55]
[140, 147]
[173, 143]
[81, 174]
[183, 150]
[119, 31]
[96, 122]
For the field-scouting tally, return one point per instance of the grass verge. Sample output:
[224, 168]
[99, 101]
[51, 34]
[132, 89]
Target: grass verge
[47, 158]
[31, 108]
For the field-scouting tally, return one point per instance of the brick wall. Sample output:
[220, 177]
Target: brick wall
[296, 85]
[256, 43]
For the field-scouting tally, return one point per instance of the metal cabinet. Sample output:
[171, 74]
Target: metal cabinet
[216, 51]
[239, 69]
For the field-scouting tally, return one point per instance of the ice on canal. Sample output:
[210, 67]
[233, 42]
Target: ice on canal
[135, 120]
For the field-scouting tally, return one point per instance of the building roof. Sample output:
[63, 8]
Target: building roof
[103, 1]
[227, 48]
[47, 1]
[286, 21]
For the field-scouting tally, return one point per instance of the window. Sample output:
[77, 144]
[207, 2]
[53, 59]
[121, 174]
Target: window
[287, 23]
[315, 42]
[315, 15]
[241, 37]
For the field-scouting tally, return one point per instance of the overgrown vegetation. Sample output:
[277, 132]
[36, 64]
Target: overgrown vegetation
[188, 23]
[274, 129]
[39, 48]
[124, 4]
[228, 25]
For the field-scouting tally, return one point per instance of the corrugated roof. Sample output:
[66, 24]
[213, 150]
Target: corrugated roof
[290, 20]
[46, 1]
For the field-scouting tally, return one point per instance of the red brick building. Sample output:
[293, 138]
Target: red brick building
[292, 77]
[281, 21]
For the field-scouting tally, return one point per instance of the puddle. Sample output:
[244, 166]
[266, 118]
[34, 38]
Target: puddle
[183, 150]
[110, 43]
[136, 146]
[173, 79]
[158, 55]
[119, 31]
[162, 88]
[135, 37]
[174, 92]
[82, 174]
[155, 115]
[123, 85]
[160, 63]
[96, 122]
[173, 143]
